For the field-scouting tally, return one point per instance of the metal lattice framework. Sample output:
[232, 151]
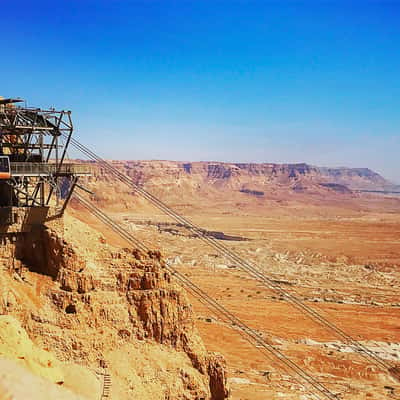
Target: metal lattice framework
[35, 141]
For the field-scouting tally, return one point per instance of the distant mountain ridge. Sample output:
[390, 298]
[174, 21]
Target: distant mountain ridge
[253, 185]
[358, 178]
[242, 174]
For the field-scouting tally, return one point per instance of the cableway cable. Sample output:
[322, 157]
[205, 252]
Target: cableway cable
[251, 335]
[245, 265]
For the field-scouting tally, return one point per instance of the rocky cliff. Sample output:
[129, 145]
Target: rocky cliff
[206, 185]
[239, 176]
[95, 306]
[357, 178]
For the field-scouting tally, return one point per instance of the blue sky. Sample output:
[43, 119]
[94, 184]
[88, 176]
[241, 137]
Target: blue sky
[315, 82]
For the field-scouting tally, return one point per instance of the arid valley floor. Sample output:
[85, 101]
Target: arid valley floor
[90, 298]
[339, 252]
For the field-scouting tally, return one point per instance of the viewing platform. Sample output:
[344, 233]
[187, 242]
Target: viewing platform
[45, 169]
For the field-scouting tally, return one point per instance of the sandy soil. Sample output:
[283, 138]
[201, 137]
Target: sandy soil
[342, 261]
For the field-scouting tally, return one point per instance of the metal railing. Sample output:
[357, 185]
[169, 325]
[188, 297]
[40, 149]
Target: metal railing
[26, 168]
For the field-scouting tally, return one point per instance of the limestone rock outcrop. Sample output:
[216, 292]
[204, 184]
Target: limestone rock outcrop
[95, 305]
[159, 174]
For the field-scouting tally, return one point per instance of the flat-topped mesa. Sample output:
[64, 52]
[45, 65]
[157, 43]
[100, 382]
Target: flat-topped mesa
[160, 174]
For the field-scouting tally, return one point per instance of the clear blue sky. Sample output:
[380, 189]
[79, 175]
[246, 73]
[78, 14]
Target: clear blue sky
[311, 81]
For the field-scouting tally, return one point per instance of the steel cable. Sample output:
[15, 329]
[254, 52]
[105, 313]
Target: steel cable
[251, 269]
[251, 335]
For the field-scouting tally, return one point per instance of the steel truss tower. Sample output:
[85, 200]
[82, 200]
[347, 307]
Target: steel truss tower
[34, 142]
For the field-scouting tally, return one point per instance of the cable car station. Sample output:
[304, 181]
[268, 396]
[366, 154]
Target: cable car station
[36, 182]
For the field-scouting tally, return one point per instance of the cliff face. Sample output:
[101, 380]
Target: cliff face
[91, 304]
[145, 171]
[357, 178]
[236, 176]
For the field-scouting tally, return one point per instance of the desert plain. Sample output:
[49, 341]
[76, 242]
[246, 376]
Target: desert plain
[321, 238]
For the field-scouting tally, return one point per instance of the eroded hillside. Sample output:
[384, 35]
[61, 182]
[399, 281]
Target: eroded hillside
[255, 187]
[100, 310]
[335, 248]
[81, 311]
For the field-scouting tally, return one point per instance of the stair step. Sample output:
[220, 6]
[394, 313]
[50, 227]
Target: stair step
[106, 387]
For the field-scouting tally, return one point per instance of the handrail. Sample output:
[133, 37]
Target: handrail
[18, 168]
